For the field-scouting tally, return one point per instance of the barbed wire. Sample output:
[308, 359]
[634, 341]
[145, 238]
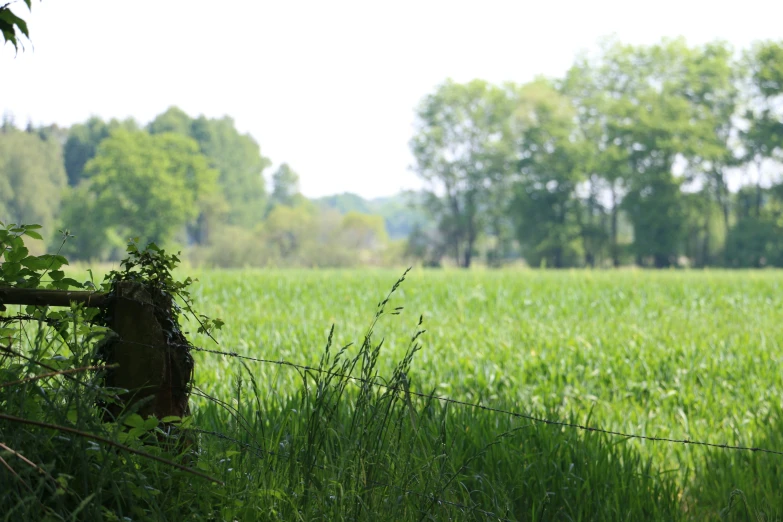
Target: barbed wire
[447, 400]
[456, 402]
[533, 418]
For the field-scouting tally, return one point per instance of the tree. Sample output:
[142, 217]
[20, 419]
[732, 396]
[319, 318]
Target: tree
[145, 185]
[462, 148]
[596, 85]
[646, 108]
[545, 207]
[654, 200]
[173, 120]
[710, 85]
[763, 137]
[237, 157]
[285, 187]
[31, 178]
[756, 240]
[82, 143]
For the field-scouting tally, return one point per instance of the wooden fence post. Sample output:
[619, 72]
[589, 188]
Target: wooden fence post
[155, 365]
[154, 359]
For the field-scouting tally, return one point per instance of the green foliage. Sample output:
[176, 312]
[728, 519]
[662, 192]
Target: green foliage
[12, 26]
[31, 178]
[626, 136]
[83, 141]
[60, 460]
[237, 158]
[173, 120]
[153, 267]
[401, 213]
[304, 235]
[21, 269]
[755, 242]
[285, 186]
[461, 148]
[623, 160]
[150, 185]
[363, 231]
[545, 207]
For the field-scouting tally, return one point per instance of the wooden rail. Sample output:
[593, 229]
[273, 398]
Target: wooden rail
[39, 297]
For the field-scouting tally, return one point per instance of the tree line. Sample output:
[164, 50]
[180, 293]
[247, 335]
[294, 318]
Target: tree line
[630, 158]
[660, 155]
[197, 183]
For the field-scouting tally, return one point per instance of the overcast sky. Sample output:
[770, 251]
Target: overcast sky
[329, 87]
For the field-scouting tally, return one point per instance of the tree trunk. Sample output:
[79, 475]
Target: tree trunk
[758, 188]
[468, 254]
[613, 234]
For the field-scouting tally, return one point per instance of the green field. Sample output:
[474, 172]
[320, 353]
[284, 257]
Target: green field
[674, 354]
[685, 355]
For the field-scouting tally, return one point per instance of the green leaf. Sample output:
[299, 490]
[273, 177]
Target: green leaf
[134, 421]
[137, 432]
[9, 17]
[56, 275]
[67, 281]
[45, 262]
[16, 255]
[5, 333]
[10, 270]
[36, 263]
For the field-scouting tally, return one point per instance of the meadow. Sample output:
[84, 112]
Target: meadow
[675, 354]
[356, 431]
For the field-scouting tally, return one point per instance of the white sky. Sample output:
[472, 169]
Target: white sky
[328, 86]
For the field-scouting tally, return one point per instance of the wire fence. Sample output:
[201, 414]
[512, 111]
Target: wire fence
[510, 413]
[434, 500]
[448, 400]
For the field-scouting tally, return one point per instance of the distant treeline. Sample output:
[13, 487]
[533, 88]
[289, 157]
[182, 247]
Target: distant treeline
[629, 158]
[191, 183]
[658, 155]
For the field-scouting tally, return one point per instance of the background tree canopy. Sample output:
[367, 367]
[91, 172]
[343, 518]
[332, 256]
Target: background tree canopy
[625, 159]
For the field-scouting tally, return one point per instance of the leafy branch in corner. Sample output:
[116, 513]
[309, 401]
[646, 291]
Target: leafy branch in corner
[11, 25]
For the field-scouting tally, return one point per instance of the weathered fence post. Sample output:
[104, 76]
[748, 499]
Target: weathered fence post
[154, 359]
[155, 365]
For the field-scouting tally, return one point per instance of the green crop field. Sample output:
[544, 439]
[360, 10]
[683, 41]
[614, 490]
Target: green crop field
[361, 433]
[683, 355]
